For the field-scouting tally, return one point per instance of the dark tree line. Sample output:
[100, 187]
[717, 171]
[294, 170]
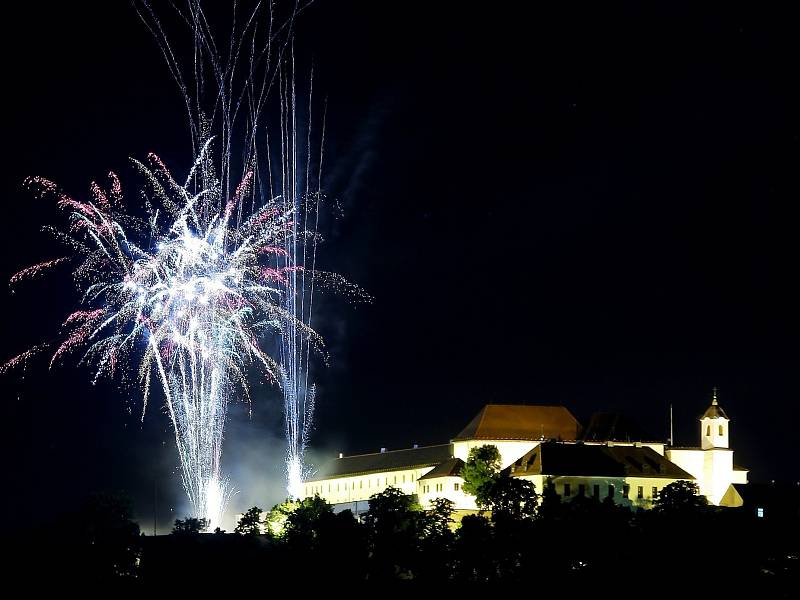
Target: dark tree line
[520, 536]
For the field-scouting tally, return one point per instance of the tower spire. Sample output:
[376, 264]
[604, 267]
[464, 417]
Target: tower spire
[714, 396]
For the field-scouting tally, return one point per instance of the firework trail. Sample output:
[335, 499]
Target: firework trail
[189, 293]
[240, 81]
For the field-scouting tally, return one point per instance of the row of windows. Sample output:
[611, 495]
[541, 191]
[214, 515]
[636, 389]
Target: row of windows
[336, 487]
[708, 430]
[439, 487]
[626, 490]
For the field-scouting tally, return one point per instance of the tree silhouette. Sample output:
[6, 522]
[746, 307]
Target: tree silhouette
[395, 523]
[511, 498]
[105, 539]
[189, 527]
[250, 523]
[474, 550]
[679, 497]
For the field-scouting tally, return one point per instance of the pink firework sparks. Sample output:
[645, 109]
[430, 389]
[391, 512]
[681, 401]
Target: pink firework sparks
[41, 185]
[36, 270]
[73, 341]
[21, 360]
[83, 317]
[116, 189]
[276, 250]
[100, 196]
[279, 275]
[241, 190]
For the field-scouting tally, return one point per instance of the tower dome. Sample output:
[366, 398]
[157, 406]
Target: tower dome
[714, 426]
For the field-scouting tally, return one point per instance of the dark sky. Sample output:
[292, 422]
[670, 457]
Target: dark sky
[594, 207]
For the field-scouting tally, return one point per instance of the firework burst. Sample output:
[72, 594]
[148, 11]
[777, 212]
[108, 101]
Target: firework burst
[186, 295]
[189, 290]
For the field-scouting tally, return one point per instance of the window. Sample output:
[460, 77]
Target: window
[596, 491]
[654, 492]
[721, 431]
[395, 479]
[457, 486]
[760, 512]
[567, 490]
[640, 492]
[611, 491]
[404, 478]
[626, 490]
[581, 489]
[708, 430]
[360, 484]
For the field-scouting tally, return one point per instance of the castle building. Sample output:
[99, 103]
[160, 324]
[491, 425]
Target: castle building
[609, 457]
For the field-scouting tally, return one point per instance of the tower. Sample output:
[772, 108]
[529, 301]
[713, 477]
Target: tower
[714, 426]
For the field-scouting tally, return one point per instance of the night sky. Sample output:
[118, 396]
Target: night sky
[594, 207]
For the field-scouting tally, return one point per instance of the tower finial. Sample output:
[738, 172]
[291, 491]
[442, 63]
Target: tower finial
[714, 396]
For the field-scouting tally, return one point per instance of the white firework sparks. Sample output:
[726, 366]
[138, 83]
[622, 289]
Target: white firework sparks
[189, 294]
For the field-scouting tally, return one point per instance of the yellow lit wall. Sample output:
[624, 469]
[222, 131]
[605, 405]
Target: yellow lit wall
[361, 487]
[510, 450]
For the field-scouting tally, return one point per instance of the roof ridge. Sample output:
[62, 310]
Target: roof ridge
[390, 451]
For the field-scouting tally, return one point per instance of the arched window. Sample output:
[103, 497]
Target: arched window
[708, 430]
[721, 431]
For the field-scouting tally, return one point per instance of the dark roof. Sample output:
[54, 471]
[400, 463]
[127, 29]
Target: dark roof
[516, 422]
[427, 456]
[780, 497]
[714, 412]
[589, 460]
[449, 468]
[607, 426]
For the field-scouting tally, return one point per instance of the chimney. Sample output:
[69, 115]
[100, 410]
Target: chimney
[383, 450]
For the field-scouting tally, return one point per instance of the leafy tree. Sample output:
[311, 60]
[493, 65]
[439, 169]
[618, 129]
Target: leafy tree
[335, 543]
[511, 498]
[189, 527]
[436, 543]
[250, 523]
[303, 524]
[474, 550]
[395, 523]
[275, 519]
[679, 497]
[479, 472]
[439, 518]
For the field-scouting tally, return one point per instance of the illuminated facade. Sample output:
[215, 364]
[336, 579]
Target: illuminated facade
[545, 445]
